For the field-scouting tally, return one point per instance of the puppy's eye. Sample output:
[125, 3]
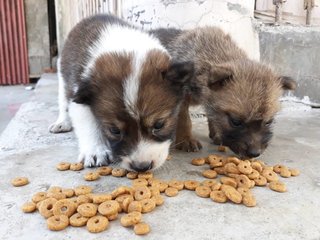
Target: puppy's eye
[158, 125]
[269, 122]
[115, 131]
[236, 123]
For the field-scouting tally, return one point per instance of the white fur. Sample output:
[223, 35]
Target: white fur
[63, 123]
[120, 39]
[94, 151]
[147, 151]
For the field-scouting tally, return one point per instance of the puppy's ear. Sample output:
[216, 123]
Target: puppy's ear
[83, 94]
[179, 74]
[219, 76]
[288, 83]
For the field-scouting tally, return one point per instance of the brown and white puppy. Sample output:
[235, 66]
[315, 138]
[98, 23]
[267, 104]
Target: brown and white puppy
[121, 92]
[241, 96]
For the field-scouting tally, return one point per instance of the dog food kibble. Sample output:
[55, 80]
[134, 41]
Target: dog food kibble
[232, 194]
[222, 148]
[142, 192]
[203, 191]
[270, 175]
[77, 220]
[254, 174]
[176, 184]
[145, 175]
[220, 170]
[104, 171]
[83, 199]
[97, 224]
[198, 161]
[208, 182]
[147, 205]
[108, 208]
[277, 168]
[95, 210]
[256, 166]
[81, 190]
[126, 202]
[87, 209]
[56, 195]
[29, 207]
[141, 228]
[64, 207]
[231, 168]
[159, 200]
[91, 176]
[285, 172]
[132, 175]
[249, 200]
[119, 172]
[19, 181]
[191, 184]
[76, 166]
[139, 182]
[218, 196]
[243, 181]
[216, 186]
[163, 186]
[63, 166]
[234, 160]
[57, 223]
[171, 192]
[260, 181]
[294, 172]
[135, 206]
[38, 197]
[209, 173]
[245, 167]
[46, 207]
[68, 192]
[228, 181]
[100, 198]
[215, 161]
[131, 219]
[277, 186]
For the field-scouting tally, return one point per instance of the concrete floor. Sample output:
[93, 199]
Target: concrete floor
[27, 149]
[11, 98]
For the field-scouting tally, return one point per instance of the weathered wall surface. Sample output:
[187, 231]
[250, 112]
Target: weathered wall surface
[294, 51]
[37, 36]
[234, 16]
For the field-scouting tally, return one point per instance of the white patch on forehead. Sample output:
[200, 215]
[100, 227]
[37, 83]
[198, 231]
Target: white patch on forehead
[122, 40]
[147, 151]
[131, 88]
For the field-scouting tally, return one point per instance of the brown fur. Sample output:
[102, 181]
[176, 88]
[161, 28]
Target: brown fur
[230, 86]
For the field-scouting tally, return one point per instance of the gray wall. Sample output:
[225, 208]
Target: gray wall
[37, 36]
[294, 51]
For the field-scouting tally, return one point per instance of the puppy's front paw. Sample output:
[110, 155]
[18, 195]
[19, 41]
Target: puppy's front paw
[60, 126]
[189, 145]
[95, 158]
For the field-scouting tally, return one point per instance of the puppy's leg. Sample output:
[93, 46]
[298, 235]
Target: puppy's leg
[94, 151]
[63, 123]
[184, 138]
[213, 134]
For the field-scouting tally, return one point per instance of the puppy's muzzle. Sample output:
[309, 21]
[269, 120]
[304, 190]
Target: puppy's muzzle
[141, 166]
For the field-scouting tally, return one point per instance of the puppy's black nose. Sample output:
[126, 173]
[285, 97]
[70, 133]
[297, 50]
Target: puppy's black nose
[141, 166]
[253, 153]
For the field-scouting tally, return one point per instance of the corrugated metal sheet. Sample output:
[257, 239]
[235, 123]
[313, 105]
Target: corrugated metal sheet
[13, 43]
